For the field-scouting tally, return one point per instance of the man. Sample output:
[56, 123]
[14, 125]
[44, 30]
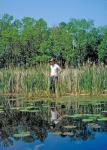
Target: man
[55, 69]
[54, 116]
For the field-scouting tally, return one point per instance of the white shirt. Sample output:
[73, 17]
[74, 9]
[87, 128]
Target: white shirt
[54, 115]
[54, 70]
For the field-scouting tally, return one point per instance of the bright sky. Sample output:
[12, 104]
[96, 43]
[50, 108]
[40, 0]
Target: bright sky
[56, 11]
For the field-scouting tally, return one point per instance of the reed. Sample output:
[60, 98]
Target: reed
[86, 79]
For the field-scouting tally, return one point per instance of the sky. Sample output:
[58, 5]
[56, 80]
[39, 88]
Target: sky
[56, 11]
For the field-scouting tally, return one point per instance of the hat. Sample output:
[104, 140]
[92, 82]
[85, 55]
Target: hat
[53, 60]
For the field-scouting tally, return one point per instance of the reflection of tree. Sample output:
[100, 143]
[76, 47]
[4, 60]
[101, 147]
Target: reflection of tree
[28, 139]
[17, 123]
[38, 128]
[5, 139]
[7, 142]
[42, 134]
[81, 132]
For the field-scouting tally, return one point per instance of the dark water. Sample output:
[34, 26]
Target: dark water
[31, 129]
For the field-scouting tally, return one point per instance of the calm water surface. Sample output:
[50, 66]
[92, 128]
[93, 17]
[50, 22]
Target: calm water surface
[29, 128]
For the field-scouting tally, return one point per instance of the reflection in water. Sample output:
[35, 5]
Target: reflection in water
[29, 125]
[12, 127]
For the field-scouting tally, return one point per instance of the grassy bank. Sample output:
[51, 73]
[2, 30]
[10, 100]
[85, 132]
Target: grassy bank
[87, 80]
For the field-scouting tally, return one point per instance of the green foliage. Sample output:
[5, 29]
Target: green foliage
[102, 48]
[28, 42]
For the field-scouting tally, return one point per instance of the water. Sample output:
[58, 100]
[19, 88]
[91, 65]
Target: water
[54, 142]
[29, 128]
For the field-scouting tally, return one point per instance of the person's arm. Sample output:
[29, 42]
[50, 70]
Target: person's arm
[60, 117]
[59, 68]
[49, 70]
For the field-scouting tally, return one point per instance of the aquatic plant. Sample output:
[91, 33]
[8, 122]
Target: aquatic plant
[31, 82]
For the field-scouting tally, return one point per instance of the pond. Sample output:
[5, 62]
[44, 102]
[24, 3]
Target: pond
[27, 126]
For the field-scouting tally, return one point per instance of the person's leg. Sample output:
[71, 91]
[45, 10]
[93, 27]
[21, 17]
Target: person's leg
[53, 124]
[52, 85]
[53, 82]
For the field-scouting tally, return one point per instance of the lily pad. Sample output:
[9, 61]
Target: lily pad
[73, 116]
[30, 107]
[70, 127]
[1, 111]
[24, 110]
[102, 119]
[104, 112]
[68, 134]
[88, 120]
[15, 108]
[94, 125]
[23, 134]
[33, 111]
[57, 132]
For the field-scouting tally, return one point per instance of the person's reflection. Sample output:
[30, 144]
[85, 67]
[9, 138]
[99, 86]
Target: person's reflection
[54, 117]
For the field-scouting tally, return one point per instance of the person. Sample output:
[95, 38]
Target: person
[54, 116]
[55, 69]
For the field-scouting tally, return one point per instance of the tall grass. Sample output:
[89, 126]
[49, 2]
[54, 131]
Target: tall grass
[86, 79]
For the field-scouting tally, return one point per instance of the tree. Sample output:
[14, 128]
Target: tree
[102, 48]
